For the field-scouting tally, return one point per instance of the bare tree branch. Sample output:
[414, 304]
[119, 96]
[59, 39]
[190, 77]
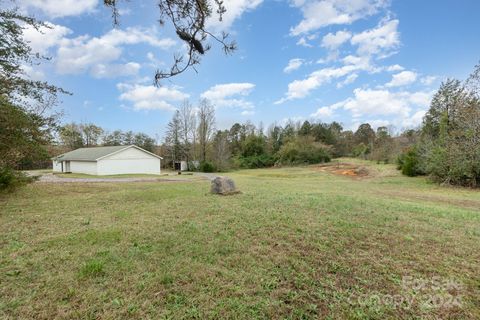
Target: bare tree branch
[189, 18]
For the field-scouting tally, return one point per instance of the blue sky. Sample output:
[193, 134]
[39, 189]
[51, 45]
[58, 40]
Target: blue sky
[350, 61]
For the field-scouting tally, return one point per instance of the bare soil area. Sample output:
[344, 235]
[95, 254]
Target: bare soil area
[344, 169]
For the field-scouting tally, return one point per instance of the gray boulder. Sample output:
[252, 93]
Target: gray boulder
[223, 186]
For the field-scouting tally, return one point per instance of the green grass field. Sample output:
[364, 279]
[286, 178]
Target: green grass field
[298, 243]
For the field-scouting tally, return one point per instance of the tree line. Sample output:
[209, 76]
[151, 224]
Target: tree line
[73, 136]
[447, 146]
[192, 136]
[27, 115]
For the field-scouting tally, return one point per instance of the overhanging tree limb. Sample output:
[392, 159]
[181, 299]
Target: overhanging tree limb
[189, 18]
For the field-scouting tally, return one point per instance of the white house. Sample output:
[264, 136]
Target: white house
[108, 160]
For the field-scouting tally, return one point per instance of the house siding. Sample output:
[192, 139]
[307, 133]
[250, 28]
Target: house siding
[87, 167]
[129, 161]
[57, 166]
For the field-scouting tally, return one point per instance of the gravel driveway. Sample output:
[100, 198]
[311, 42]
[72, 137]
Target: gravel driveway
[209, 176]
[51, 178]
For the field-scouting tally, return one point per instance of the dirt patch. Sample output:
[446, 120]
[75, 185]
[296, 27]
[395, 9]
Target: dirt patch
[344, 169]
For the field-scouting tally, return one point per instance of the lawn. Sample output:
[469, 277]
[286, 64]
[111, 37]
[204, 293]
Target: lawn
[298, 243]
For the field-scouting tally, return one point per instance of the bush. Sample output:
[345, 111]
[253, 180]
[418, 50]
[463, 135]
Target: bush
[11, 179]
[253, 146]
[453, 165]
[253, 154]
[436, 163]
[256, 161]
[408, 162]
[361, 150]
[206, 166]
[303, 150]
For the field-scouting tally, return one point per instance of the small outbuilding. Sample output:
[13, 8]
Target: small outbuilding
[181, 166]
[108, 161]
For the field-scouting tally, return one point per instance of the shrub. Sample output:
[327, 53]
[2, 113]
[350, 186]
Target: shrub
[253, 146]
[11, 179]
[436, 163]
[361, 150]
[454, 164]
[206, 166]
[408, 162]
[256, 161]
[303, 150]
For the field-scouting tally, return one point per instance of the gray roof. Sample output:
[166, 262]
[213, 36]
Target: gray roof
[89, 154]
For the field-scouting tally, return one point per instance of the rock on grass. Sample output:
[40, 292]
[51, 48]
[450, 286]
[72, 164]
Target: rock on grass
[223, 186]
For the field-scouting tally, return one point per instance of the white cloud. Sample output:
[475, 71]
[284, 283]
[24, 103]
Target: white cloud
[402, 79]
[115, 70]
[395, 67]
[348, 80]
[378, 41]
[33, 73]
[408, 122]
[321, 13]
[235, 9]
[363, 63]
[402, 109]
[293, 65]
[301, 88]
[428, 80]
[247, 113]
[46, 37]
[421, 98]
[230, 95]
[63, 8]
[84, 53]
[323, 112]
[303, 42]
[145, 97]
[222, 91]
[98, 55]
[154, 61]
[328, 111]
[333, 41]
[384, 102]
[374, 123]
[379, 123]
[415, 120]
[376, 102]
[40, 41]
